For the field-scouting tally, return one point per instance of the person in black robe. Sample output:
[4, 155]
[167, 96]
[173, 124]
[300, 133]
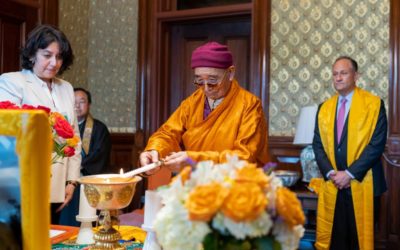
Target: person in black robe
[96, 148]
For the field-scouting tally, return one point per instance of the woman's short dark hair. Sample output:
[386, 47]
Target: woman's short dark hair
[40, 38]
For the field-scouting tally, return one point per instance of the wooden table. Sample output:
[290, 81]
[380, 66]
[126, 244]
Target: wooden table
[309, 202]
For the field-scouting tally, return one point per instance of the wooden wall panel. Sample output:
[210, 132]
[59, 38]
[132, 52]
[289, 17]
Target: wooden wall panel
[394, 83]
[17, 19]
[388, 233]
[124, 152]
[11, 37]
[125, 155]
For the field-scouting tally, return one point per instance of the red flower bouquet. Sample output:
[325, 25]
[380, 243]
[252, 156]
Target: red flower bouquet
[64, 138]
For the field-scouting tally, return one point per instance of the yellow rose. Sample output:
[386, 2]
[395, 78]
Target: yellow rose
[204, 201]
[289, 207]
[245, 202]
[251, 173]
[73, 141]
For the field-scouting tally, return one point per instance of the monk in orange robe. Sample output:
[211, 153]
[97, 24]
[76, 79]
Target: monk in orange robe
[220, 118]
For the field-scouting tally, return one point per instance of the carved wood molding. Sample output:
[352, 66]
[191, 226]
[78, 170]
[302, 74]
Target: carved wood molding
[261, 32]
[393, 143]
[209, 12]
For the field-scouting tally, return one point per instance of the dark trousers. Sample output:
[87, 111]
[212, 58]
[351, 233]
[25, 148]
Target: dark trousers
[344, 231]
[69, 213]
[55, 216]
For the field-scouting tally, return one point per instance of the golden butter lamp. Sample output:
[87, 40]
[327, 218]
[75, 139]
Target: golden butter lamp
[108, 193]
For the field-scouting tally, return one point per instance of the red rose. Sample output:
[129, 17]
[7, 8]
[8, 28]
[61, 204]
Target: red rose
[27, 106]
[69, 151]
[44, 108]
[8, 105]
[63, 128]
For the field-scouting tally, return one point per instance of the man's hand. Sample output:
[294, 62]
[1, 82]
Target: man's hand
[341, 179]
[176, 160]
[148, 157]
[69, 191]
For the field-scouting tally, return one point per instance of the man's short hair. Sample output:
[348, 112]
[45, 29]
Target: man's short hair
[89, 96]
[353, 62]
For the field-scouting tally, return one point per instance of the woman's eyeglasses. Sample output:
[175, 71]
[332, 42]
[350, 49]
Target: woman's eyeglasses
[210, 82]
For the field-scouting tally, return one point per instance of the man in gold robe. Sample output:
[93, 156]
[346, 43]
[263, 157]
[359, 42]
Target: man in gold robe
[349, 139]
[220, 118]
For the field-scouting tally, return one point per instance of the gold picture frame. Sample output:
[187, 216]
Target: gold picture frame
[33, 148]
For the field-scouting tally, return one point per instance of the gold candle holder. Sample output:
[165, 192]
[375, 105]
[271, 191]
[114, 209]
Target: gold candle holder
[108, 193]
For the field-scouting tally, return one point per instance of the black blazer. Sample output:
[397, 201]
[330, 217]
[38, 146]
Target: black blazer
[98, 159]
[370, 157]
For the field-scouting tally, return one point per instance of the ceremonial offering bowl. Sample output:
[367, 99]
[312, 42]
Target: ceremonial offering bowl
[108, 192]
[289, 178]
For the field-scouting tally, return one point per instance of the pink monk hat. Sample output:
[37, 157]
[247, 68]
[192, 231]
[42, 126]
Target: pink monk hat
[213, 55]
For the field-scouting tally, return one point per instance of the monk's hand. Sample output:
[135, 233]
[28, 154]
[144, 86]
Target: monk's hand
[148, 157]
[176, 161]
[69, 192]
[341, 180]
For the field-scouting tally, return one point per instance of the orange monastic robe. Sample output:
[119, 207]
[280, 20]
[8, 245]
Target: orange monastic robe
[236, 126]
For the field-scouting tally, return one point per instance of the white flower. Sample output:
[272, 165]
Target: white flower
[176, 232]
[175, 192]
[233, 160]
[241, 230]
[288, 237]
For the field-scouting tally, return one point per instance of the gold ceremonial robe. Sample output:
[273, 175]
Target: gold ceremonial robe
[236, 126]
[363, 116]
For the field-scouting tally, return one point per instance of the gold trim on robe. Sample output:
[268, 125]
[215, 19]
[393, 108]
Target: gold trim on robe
[363, 116]
[87, 134]
[236, 126]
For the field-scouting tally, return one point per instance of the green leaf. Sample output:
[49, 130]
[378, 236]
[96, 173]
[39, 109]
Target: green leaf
[237, 245]
[266, 243]
[210, 242]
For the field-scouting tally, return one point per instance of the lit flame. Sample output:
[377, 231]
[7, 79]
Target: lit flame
[121, 171]
[107, 180]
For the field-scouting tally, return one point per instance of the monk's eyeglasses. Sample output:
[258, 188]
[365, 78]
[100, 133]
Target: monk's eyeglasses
[211, 82]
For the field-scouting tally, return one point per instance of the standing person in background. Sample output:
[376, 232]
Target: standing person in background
[220, 118]
[47, 54]
[350, 137]
[96, 149]
[96, 143]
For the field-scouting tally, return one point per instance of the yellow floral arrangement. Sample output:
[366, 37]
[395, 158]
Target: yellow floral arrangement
[232, 205]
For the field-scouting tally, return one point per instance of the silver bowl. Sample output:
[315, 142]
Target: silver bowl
[289, 178]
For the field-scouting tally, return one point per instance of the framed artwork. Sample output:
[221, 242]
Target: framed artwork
[25, 159]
